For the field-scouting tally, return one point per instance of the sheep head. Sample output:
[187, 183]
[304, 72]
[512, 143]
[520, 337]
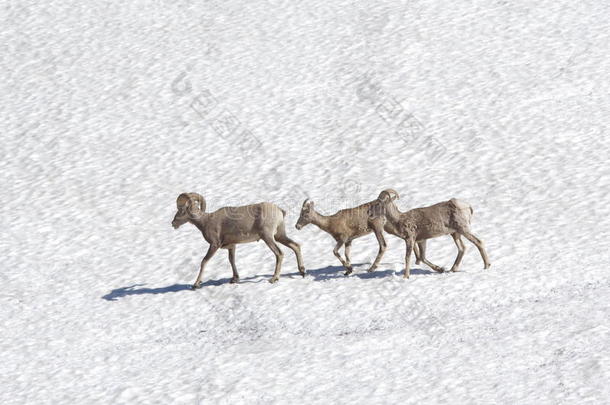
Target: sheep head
[306, 214]
[190, 206]
[379, 207]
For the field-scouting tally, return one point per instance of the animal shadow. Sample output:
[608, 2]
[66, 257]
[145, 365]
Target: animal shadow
[122, 292]
[332, 272]
[320, 274]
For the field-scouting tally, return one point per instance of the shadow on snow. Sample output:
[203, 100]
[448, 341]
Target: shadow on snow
[133, 290]
[320, 274]
[333, 272]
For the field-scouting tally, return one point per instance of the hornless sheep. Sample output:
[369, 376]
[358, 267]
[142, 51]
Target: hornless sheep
[446, 218]
[346, 225]
[228, 226]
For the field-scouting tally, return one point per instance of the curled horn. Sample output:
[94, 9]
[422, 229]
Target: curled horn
[199, 199]
[307, 202]
[185, 198]
[182, 200]
[388, 195]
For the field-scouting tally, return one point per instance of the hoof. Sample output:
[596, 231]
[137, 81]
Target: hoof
[439, 269]
[234, 280]
[370, 270]
[487, 266]
[302, 271]
[454, 270]
[196, 286]
[273, 280]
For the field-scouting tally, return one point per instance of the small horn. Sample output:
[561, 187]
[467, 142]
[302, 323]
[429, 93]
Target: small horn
[389, 195]
[392, 191]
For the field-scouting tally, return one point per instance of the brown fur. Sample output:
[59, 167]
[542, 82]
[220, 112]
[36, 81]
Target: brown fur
[349, 224]
[414, 226]
[229, 226]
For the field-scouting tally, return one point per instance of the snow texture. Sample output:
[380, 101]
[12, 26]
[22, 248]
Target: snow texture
[111, 109]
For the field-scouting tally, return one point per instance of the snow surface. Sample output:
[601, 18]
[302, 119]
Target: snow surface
[110, 110]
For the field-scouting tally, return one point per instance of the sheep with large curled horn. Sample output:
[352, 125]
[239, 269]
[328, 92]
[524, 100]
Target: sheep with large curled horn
[229, 226]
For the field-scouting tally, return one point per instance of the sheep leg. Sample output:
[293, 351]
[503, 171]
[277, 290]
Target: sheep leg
[286, 241]
[409, 245]
[279, 256]
[211, 250]
[235, 278]
[479, 244]
[422, 256]
[461, 250]
[378, 229]
[417, 248]
[338, 256]
[348, 247]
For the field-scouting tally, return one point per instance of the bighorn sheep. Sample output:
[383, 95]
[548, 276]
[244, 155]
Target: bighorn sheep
[446, 218]
[228, 226]
[420, 247]
[346, 225]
